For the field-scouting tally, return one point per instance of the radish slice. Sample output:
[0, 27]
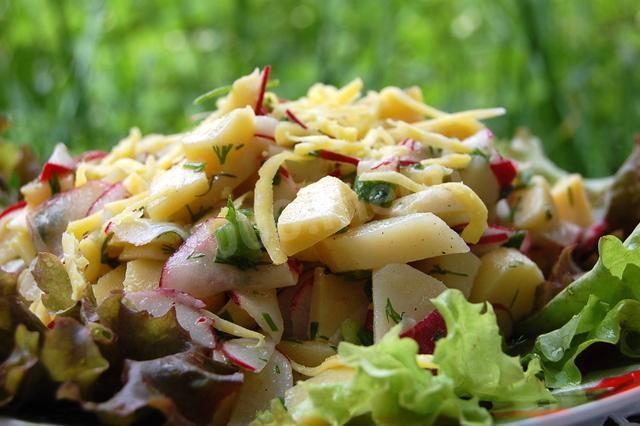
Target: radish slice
[295, 119]
[504, 170]
[335, 156]
[248, 354]
[91, 156]
[59, 163]
[115, 192]
[300, 309]
[192, 269]
[263, 87]
[259, 389]
[50, 220]
[263, 307]
[141, 231]
[494, 236]
[427, 331]
[188, 312]
[12, 208]
[266, 126]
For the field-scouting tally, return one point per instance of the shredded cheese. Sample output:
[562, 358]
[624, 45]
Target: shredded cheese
[263, 206]
[392, 177]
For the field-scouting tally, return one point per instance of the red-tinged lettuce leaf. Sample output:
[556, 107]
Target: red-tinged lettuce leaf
[186, 388]
[623, 211]
[603, 281]
[18, 370]
[140, 335]
[49, 220]
[69, 354]
[52, 278]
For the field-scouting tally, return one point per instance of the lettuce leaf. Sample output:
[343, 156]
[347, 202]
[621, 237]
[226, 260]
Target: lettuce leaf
[390, 388]
[603, 306]
[471, 355]
[603, 281]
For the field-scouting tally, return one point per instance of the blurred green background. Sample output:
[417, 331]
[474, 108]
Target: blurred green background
[83, 72]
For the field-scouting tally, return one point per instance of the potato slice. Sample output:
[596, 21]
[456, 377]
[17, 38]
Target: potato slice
[318, 211]
[310, 353]
[508, 278]
[571, 201]
[142, 274]
[454, 270]
[395, 240]
[173, 190]
[401, 291]
[107, 283]
[532, 208]
[333, 300]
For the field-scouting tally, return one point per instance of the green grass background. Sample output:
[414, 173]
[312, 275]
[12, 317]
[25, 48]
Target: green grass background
[84, 71]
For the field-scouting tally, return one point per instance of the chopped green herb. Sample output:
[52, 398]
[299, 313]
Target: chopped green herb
[195, 255]
[222, 152]
[391, 313]
[277, 369]
[168, 249]
[313, 329]
[375, 192]
[548, 214]
[523, 180]
[212, 94]
[570, 195]
[277, 179]
[223, 90]
[104, 256]
[196, 167]
[239, 147]
[417, 166]
[515, 241]
[196, 216]
[272, 325]
[365, 337]
[54, 184]
[213, 179]
[438, 270]
[238, 241]
[343, 230]
[480, 153]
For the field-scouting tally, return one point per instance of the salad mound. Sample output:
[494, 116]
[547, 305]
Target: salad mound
[339, 258]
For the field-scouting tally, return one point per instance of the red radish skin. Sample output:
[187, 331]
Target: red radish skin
[115, 192]
[340, 158]
[504, 170]
[263, 87]
[388, 164]
[192, 269]
[13, 208]
[300, 308]
[263, 136]
[246, 354]
[427, 332]
[295, 119]
[59, 163]
[91, 156]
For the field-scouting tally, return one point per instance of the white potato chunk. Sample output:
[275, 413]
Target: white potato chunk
[454, 270]
[395, 240]
[111, 281]
[318, 211]
[309, 353]
[532, 208]
[173, 190]
[335, 299]
[142, 274]
[509, 279]
[571, 200]
[401, 291]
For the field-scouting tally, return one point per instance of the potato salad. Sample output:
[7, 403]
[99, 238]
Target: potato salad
[347, 256]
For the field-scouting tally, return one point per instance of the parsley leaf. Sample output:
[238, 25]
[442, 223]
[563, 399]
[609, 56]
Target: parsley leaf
[222, 152]
[391, 313]
[375, 192]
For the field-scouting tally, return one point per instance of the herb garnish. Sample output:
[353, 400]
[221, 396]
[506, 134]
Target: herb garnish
[222, 152]
[391, 313]
[238, 242]
[375, 192]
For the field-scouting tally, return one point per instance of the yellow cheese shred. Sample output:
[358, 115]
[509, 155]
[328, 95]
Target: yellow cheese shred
[263, 206]
[452, 161]
[394, 178]
[475, 208]
[435, 140]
